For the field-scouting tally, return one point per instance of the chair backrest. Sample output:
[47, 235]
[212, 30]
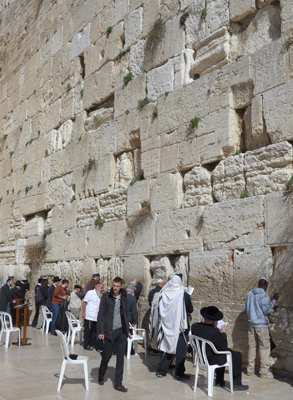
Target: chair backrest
[46, 312]
[71, 319]
[63, 344]
[199, 349]
[4, 316]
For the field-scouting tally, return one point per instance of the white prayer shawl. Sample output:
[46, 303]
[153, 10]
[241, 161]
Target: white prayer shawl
[172, 315]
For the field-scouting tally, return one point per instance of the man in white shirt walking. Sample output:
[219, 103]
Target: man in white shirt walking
[90, 309]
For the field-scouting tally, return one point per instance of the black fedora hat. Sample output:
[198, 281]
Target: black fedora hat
[211, 313]
[56, 279]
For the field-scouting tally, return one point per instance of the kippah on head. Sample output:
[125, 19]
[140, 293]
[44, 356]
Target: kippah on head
[262, 282]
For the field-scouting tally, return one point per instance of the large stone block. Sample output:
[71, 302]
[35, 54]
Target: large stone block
[281, 279]
[100, 240]
[167, 192]
[101, 177]
[278, 218]
[211, 275]
[250, 265]
[128, 96]
[179, 231]
[217, 14]
[160, 80]
[287, 15]
[137, 196]
[59, 193]
[197, 188]
[138, 267]
[240, 9]
[234, 224]
[113, 205]
[80, 42]
[150, 162]
[194, 24]
[133, 27]
[277, 105]
[136, 58]
[76, 243]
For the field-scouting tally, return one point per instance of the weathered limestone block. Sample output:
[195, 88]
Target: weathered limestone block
[150, 162]
[87, 269]
[59, 193]
[212, 52]
[250, 265]
[160, 80]
[258, 136]
[56, 243]
[59, 164]
[228, 178]
[109, 269]
[127, 97]
[211, 275]
[70, 215]
[136, 58]
[137, 195]
[264, 28]
[268, 169]
[179, 231]
[80, 42]
[120, 10]
[87, 211]
[167, 192]
[101, 177]
[75, 246]
[115, 42]
[271, 66]
[240, 9]
[53, 120]
[128, 132]
[278, 218]
[133, 27]
[113, 205]
[161, 268]
[194, 25]
[97, 118]
[197, 188]
[33, 227]
[124, 170]
[182, 267]
[100, 240]
[286, 15]
[138, 267]
[277, 106]
[182, 65]
[282, 275]
[234, 224]
[150, 15]
[217, 14]
[58, 139]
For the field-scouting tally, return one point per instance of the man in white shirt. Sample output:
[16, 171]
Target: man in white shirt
[90, 309]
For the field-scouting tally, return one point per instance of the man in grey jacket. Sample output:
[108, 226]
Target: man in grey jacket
[258, 306]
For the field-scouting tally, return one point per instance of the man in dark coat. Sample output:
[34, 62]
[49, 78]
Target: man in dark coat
[157, 289]
[113, 329]
[24, 286]
[208, 330]
[92, 283]
[35, 320]
[56, 282]
[5, 294]
[131, 302]
[16, 293]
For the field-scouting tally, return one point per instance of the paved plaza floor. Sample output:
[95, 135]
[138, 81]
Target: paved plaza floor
[32, 372]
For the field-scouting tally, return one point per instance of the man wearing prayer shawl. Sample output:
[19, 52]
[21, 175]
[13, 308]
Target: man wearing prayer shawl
[174, 305]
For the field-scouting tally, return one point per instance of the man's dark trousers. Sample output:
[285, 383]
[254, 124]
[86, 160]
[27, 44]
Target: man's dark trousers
[181, 351]
[237, 369]
[90, 333]
[119, 339]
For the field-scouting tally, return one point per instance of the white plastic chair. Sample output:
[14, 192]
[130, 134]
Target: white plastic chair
[7, 328]
[135, 338]
[67, 360]
[74, 326]
[199, 352]
[47, 318]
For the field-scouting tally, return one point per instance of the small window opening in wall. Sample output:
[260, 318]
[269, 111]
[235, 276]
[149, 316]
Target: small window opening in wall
[73, 187]
[210, 167]
[187, 233]
[82, 64]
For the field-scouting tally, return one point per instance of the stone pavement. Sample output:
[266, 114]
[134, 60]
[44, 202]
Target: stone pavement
[32, 372]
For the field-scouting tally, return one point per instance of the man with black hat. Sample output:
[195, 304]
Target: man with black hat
[5, 294]
[208, 330]
[16, 294]
[56, 281]
[92, 283]
[37, 287]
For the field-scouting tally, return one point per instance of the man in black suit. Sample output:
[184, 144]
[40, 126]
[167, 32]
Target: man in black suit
[56, 281]
[5, 294]
[208, 330]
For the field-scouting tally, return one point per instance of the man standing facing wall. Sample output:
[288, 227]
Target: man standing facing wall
[258, 306]
[90, 310]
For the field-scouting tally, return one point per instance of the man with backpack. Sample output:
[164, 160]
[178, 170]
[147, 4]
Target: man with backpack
[41, 297]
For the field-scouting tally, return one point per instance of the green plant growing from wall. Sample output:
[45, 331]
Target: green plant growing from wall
[73, 198]
[288, 43]
[35, 252]
[24, 167]
[5, 136]
[11, 153]
[203, 14]
[1, 198]
[167, 93]
[27, 188]
[289, 184]
[240, 151]
[155, 113]
[35, 91]
[77, 219]
[194, 123]
[239, 57]
[142, 103]
[39, 183]
[121, 54]
[81, 93]
[68, 88]
[138, 178]
[20, 128]
[99, 222]
[109, 30]
[244, 194]
[46, 153]
[47, 232]
[127, 78]
[18, 193]
[12, 191]
[7, 192]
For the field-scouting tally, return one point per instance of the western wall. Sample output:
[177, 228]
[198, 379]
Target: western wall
[139, 138]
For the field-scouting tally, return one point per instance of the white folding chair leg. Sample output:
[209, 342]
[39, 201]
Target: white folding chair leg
[145, 349]
[72, 338]
[47, 327]
[19, 338]
[86, 376]
[7, 340]
[129, 343]
[231, 374]
[61, 375]
[210, 381]
[80, 336]
[196, 377]
[43, 326]
[135, 347]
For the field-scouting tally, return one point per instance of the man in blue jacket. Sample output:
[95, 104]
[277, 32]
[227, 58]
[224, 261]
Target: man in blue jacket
[258, 306]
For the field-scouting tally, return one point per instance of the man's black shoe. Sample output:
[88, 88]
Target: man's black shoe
[121, 389]
[240, 387]
[101, 380]
[89, 348]
[220, 384]
[53, 333]
[183, 377]
[160, 374]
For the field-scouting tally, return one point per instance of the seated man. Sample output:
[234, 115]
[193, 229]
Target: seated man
[208, 330]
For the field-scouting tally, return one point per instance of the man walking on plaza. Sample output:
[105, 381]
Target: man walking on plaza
[258, 306]
[90, 310]
[113, 329]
